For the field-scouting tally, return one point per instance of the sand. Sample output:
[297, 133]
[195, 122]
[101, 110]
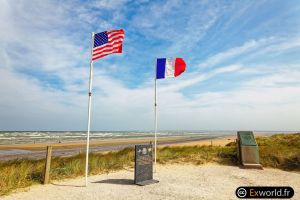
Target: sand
[38, 151]
[215, 142]
[209, 181]
[180, 140]
[68, 145]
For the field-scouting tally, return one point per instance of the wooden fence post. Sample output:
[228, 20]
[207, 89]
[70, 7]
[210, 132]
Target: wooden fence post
[47, 165]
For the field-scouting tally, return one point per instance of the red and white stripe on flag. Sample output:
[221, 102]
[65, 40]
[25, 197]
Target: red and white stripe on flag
[107, 42]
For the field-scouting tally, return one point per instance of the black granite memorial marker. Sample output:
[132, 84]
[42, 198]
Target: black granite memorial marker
[143, 171]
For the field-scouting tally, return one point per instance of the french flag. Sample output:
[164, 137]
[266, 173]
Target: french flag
[169, 67]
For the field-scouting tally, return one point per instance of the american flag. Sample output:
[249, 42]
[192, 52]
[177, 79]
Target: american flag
[107, 42]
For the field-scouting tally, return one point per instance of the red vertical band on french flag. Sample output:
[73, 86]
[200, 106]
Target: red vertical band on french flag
[179, 66]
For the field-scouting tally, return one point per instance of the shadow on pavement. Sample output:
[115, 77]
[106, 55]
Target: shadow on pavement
[117, 181]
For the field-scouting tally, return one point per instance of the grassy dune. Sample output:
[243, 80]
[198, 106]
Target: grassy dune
[280, 151]
[277, 151]
[23, 173]
[198, 155]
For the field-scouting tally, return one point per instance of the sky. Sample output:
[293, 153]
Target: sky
[243, 65]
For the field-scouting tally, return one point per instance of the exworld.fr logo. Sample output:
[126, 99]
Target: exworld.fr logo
[250, 192]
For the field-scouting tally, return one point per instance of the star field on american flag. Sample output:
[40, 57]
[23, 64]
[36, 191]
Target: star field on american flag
[107, 42]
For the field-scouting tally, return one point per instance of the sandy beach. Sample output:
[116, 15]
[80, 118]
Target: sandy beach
[181, 140]
[37, 151]
[209, 181]
[108, 142]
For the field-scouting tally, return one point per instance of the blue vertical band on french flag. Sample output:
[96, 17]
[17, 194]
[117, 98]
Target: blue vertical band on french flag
[169, 67]
[160, 68]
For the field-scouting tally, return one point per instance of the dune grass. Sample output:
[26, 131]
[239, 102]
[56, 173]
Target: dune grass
[22, 173]
[198, 155]
[278, 151]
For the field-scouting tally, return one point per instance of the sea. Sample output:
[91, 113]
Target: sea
[33, 137]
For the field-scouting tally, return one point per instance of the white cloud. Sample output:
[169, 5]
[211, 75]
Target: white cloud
[283, 78]
[281, 45]
[178, 22]
[25, 104]
[258, 107]
[236, 51]
[108, 4]
[253, 49]
[196, 77]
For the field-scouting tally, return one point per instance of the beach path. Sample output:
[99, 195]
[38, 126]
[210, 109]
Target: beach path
[209, 181]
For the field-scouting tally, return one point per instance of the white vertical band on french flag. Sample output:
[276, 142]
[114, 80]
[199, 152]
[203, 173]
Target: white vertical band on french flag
[169, 67]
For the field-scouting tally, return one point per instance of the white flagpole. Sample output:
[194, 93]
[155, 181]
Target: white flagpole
[89, 113]
[155, 120]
